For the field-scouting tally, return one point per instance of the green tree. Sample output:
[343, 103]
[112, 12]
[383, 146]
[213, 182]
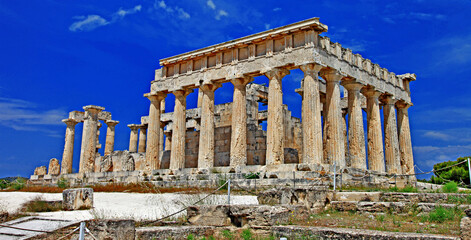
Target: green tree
[457, 173]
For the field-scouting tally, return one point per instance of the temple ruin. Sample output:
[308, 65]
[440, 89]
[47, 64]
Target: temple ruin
[228, 138]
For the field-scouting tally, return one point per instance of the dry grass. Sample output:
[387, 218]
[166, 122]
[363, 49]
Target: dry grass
[384, 222]
[37, 188]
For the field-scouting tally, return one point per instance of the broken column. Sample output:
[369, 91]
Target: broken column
[89, 138]
[206, 141]
[133, 137]
[311, 115]
[110, 134]
[177, 155]
[54, 167]
[68, 154]
[275, 124]
[142, 138]
[238, 151]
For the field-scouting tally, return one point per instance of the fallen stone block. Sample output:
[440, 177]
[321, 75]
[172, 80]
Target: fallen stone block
[465, 227]
[174, 232]
[112, 229]
[77, 199]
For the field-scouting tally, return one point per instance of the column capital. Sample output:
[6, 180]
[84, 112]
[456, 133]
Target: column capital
[111, 123]
[403, 105]
[371, 92]
[142, 126]
[93, 108]
[182, 92]
[389, 99]
[155, 96]
[311, 68]
[241, 82]
[70, 122]
[133, 126]
[98, 125]
[277, 72]
[352, 85]
[331, 75]
[210, 87]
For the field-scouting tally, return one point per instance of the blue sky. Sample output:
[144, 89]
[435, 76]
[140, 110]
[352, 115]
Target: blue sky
[57, 56]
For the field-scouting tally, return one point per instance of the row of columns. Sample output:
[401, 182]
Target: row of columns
[397, 140]
[89, 140]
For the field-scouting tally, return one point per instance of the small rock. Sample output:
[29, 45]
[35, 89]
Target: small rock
[3, 216]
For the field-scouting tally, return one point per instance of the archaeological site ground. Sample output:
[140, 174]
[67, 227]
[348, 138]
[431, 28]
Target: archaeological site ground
[230, 176]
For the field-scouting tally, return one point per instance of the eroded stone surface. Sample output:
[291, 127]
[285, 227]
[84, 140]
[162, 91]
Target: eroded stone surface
[40, 171]
[77, 198]
[112, 229]
[54, 167]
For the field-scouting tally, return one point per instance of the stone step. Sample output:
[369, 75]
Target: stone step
[298, 232]
[391, 207]
[397, 197]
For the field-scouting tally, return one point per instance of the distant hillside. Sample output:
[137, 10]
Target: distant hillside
[11, 179]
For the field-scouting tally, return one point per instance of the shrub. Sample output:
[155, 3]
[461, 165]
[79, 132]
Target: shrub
[191, 237]
[441, 214]
[40, 205]
[63, 183]
[450, 187]
[227, 234]
[409, 189]
[246, 234]
[4, 184]
[18, 184]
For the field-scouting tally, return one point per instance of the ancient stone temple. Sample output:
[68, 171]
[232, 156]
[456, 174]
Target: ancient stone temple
[229, 138]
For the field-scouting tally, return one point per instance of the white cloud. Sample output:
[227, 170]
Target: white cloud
[437, 135]
[88, 23]
[413, 16]
[92, 22]
[267, 26]
[179, 12]
[124, 12]
[211, 4]
[221, 13]
[276, 9]
[25, 116]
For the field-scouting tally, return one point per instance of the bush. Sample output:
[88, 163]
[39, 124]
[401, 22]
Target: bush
[191, 237]
[227, 235]
[18, 184]
[441, 214]
[456, 173]
[4, 184]
[63, 183]
[40, 205]
[450, 187]
[246, 234]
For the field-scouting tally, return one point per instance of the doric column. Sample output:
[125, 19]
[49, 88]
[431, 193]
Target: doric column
[375, 136]
[133, 137]
[142, 138]
[168, 141]
[68, 155]
[177, 155]
[311, 115]
[110, 133]
[391, 141]
[153, 130]
[405, 142]
[162, 126]
[206, 144]
[89, 138]
[335, 149]
[238, 153]
[356, 134]
[275, 124]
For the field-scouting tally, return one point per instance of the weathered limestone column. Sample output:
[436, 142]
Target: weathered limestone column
[375, 136]
[356, 134]
[142, 138]
[311, 115]
[391, 141]
[177, 155]
[275, 124]
[133, 137]
[206, 144]
[335, 148]
[405, 142]
[153, 130]
[68, 155]
[168, 141]
[110, 133]
[162, 126]
[238, 153]
[89, 138]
